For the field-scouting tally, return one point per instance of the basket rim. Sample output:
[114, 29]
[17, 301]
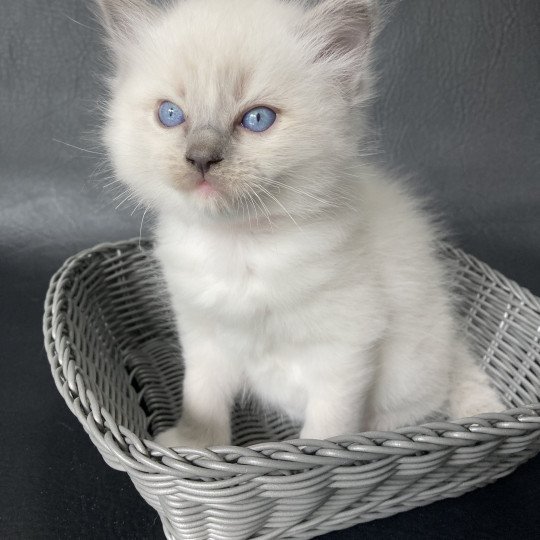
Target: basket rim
[123, 449]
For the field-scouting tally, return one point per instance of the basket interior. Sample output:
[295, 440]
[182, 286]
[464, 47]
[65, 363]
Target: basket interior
[124, 342]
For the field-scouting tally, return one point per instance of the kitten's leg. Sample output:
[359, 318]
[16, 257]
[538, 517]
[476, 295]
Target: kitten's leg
[470, 391]
[210, 384]
[338, 405]
[325, 418]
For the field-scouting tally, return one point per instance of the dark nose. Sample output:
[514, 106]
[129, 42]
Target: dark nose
[202, 162]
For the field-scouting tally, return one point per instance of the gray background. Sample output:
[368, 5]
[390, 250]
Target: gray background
[459, 112]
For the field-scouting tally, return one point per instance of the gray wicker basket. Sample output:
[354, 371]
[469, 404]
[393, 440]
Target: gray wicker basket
[115, 359]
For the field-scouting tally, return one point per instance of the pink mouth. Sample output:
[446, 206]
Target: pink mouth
[205, 188]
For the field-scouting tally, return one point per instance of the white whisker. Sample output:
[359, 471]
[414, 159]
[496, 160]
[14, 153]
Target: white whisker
[79, 23]
[264, 208]
[142, 224]
[78, 148]
[281, 205]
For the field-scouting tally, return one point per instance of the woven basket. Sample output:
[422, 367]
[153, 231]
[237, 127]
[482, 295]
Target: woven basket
[115, 358]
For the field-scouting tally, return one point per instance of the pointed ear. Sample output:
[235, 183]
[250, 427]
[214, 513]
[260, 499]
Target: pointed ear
[340, 33]
[344, 27]
[120, 18]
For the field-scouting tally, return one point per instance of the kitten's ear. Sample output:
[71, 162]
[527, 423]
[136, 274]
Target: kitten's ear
[120, 18]
[343, 27]
[341, 32]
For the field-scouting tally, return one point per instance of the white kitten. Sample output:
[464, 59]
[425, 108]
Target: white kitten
[297, 271]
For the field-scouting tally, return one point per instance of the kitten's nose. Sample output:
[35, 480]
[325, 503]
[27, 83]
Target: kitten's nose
[203, 162]
[206, 147]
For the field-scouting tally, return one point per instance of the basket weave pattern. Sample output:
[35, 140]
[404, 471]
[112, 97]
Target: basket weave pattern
[115, 358]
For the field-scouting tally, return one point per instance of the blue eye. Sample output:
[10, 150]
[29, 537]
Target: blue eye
[171, 115]
[259, 119]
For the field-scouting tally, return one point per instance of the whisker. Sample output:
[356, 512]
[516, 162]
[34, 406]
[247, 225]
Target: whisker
[254, 208]
[264, 208]
[128, 198]
[78, 148]
[139, 204]
[281, 205]
[142, 223]
[79, 23]
[300, 191]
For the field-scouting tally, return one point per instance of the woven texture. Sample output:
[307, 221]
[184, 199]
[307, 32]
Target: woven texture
[115, 358]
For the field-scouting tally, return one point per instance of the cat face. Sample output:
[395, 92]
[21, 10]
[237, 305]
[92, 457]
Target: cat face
[243, 109]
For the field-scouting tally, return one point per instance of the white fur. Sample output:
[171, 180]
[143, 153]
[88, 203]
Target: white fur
[310, 278]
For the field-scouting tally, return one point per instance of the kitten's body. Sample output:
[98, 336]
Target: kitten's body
[321, 293]
[328, 311]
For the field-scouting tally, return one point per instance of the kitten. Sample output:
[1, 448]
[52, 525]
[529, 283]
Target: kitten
[297, 271]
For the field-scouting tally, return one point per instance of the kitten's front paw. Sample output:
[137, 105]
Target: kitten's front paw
[171, 438]
[484, 401]
[187, 437]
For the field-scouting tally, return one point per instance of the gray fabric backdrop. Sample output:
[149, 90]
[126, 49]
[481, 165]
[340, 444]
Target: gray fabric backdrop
[459, 111]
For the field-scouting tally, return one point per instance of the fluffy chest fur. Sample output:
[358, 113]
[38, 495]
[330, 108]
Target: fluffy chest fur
[293, 281]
